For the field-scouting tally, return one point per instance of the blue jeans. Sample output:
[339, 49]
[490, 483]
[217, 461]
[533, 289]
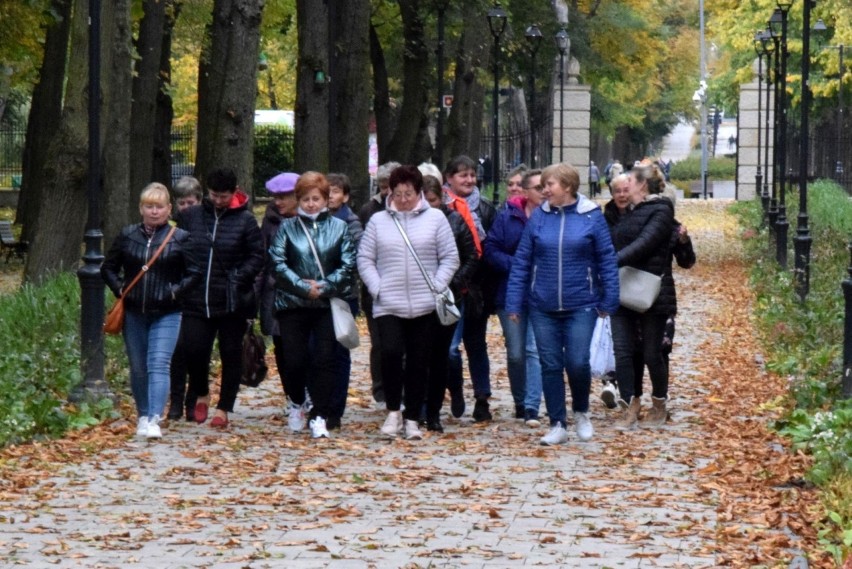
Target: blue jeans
[522, 363]
[563, 340]
[150, 342]
[472, 330]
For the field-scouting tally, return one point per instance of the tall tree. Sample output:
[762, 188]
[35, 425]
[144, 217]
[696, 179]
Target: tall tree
[228, 89]
[161, 169]
[464, 125]
[312, 89]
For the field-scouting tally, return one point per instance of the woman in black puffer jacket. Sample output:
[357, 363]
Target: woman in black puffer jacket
[229, 247]
[642, 240]
[152, 307]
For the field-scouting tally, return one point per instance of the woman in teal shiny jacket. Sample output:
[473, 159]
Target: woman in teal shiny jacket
[302, 293]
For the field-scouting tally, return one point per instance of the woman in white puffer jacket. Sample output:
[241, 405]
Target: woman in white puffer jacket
[403, 304]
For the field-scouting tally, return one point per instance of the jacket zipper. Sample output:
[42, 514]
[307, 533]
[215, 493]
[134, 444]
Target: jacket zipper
[559, 262]
[591, 287]
[210, 265]
[145, 276]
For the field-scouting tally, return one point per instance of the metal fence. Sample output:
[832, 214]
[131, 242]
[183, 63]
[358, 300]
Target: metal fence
[11, 157]
[516, 147]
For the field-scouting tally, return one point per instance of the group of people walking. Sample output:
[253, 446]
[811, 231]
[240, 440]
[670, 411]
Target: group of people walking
[546, 262]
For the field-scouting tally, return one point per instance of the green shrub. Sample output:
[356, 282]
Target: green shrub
[273, 154]
[40, 362]
[718, 168]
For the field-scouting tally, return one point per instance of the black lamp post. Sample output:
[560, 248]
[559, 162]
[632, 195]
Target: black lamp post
[820, 28]
[802, 240]
[770, 46]
[93, 387]
[497, 23]
[781, 224]
[533, 35]
[562, 46]
[439, 52]
[774, 28]
[758, 176]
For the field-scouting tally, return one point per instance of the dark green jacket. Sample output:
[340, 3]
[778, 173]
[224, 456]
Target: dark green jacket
[293, 261]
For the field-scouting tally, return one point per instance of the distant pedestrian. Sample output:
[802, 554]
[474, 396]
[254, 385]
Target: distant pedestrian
[732, 141]
[153, 306]
[594, 179]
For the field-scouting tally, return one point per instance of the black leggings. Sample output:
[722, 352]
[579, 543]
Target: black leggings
[406, 345]
[197, 336]
[624, 338]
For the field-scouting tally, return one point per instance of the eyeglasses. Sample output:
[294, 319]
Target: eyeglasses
[404, 195]
[537, 188]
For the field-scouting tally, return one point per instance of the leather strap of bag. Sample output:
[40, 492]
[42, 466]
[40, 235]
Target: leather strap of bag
[147, 265]
[414, 254]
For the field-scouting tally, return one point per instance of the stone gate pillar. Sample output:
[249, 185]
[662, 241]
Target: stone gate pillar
[572, 139]
[747, 129]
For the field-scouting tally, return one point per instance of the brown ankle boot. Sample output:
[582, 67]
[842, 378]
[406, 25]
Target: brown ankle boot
[657, 415]
[629, 419]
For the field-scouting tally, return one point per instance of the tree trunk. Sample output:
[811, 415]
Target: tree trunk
[229, 75]
[146, 83]
[312, 93]
[44, 116]
[464, 126]
[162, 166]
[61, 208]
[416, 72]
[117, 83]
[381, 96]
[348, 129]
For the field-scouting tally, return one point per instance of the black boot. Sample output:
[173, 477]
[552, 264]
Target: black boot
[481, 412]
[433, 423]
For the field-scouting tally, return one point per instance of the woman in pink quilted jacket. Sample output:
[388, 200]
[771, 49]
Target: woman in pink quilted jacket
[403, 303]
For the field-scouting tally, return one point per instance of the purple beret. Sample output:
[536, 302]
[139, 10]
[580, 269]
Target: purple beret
[282, 183]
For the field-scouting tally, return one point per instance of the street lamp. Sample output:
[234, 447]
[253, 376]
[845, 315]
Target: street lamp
[781, 224]
[533, 35]
[820, 28]
[93, 387]
[773, 26]
[770, 46]
[760, 49]
[562, 45]
[802, 240]
[439, 51]
[497, 23]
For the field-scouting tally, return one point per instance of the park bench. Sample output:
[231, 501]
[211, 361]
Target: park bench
[9, 243]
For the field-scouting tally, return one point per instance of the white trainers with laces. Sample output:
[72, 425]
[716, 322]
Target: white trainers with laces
[412, 431]
[393, 424]
[556, 436]
[296, 419]
[153, 431]
[142, 427]
[318, 430]
[583, 425]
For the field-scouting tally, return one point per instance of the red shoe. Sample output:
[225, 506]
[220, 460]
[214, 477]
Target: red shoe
[219, 422]
[200, 412]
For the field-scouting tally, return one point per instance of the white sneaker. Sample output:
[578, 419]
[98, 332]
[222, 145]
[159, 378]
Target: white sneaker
[380, 405]
[609, 395]
[393, 424]
[412, 431]
[153, 431]
[556, 436]
[142, 427]
[318, 430]
[296, 420]
[583, 425]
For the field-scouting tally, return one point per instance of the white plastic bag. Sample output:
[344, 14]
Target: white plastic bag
[345, 329]
[601, 354]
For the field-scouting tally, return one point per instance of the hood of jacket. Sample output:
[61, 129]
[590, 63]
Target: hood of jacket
[584, 205]
[238, 201]
[422, 206]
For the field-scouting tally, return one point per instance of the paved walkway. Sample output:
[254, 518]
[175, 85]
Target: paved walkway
[258, 496]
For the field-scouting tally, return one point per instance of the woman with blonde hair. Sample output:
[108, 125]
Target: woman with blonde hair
[564, 270]
[153, 306]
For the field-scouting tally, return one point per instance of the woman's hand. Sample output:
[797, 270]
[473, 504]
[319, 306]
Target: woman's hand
[602, 314]
[516, 318]
[682, 234]
[316, 289]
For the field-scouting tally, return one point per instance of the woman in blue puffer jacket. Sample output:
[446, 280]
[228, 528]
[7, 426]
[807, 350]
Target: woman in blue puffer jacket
[565, 268]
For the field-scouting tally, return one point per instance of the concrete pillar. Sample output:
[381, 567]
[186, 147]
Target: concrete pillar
[573, 138]
[747, 129]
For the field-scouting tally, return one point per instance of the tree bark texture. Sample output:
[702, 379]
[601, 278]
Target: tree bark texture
[312, 96]
[44, 116]
[381, 96]
[226, 105]
[116, 124]
[464, 126]
[162, 165]
[350, 65]
[61, 208]
[415, 84]
[146, 83]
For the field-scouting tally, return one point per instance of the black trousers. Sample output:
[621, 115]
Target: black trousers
[196, 343]
[309, 360]
[406, 346]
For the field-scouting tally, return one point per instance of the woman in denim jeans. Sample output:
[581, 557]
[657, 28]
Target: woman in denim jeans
[565, 271]
[153, 306]
[523, 365]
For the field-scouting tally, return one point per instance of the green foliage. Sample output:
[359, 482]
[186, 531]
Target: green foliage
[718, 168]
[273, 154]
[803, 341]
[40, 362]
